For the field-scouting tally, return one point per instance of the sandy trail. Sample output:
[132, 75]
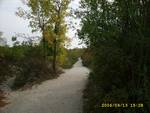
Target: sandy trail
[62, 95]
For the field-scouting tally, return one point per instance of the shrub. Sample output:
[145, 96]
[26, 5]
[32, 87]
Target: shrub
[87, 57]
[34, 68]
[71, 57]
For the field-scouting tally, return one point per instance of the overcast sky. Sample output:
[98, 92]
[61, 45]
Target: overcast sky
[10, 24]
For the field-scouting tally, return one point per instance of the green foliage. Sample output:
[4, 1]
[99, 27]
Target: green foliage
[71, 58]
[33, 68]
[14, 38]
[5, 61]
[26, 63]
[87, 58]
[9, 59]
[117, 34]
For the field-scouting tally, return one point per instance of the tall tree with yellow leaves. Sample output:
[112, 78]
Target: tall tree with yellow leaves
[48, 17]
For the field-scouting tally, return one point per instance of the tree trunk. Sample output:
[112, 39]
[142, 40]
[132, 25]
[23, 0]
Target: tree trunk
[56, 30]
[44, 48]
[44, 45]
[54, 55]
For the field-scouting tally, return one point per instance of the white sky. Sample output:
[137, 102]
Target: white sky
[10, 24]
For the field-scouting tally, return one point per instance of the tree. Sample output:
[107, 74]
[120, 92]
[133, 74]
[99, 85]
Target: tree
[58, 17]
[48, 17]
[118, 35]
[37, 15]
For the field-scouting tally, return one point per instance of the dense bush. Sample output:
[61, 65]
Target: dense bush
[26, 63]
[6, 62]
[34, 68]
[117, 33]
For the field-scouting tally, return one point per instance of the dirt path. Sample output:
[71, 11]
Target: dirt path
[62, 95]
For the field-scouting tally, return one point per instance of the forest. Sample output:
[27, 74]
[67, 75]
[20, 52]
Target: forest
[117, 52]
